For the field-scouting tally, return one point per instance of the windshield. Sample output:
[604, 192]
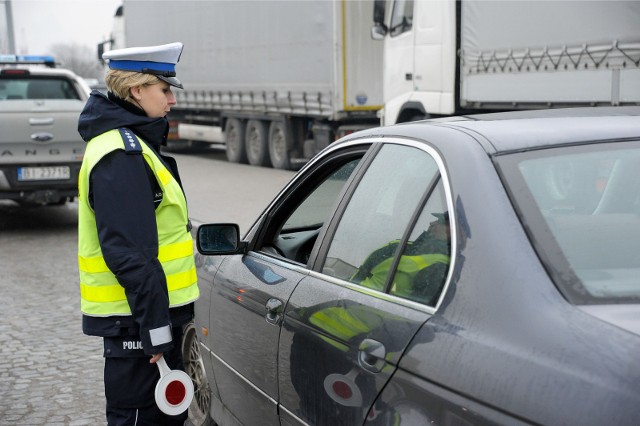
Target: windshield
[581, 208]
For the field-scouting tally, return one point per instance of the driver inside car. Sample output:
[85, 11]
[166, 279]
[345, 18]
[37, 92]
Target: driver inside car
[422, 268]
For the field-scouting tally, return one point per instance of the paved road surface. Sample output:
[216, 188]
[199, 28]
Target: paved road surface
[50, 373]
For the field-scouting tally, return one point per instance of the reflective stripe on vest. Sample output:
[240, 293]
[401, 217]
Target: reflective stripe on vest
[342, 324]
[101, 294]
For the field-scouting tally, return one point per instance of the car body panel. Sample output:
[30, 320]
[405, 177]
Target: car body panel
[501, 346]
[534, 129]
[410, 399]
[44, 115]
[243, 343]
[330, 374]
[575, 377]
[207, 267]
[623, 316]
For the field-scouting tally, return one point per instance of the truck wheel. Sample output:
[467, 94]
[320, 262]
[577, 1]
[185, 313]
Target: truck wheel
[280, 144]
[193, 366]
[234, 141]
[257, 143]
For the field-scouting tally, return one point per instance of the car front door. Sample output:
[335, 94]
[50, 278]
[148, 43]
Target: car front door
[377, 274]
[250, 291]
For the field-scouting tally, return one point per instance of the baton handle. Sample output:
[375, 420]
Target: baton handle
[163, 367]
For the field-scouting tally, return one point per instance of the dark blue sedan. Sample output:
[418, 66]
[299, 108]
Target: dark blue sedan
[470, 270]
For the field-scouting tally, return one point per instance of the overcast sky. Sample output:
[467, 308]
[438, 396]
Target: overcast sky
[39, 24]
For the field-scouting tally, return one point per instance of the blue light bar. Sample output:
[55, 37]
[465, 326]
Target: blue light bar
[36, 58]
[29, 59]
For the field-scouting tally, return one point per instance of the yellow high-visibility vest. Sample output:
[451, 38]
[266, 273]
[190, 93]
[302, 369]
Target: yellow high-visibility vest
[100, 292]
[408, 267]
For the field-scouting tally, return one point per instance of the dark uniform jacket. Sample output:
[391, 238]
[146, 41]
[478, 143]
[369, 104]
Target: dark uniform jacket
[124, 193]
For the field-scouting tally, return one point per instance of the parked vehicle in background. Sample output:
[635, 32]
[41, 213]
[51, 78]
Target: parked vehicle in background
[468, 270]
[280, 78]
[40, 148]
[449, 57]
[276, 81]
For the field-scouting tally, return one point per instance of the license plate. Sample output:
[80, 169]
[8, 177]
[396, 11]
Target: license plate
[44, 173]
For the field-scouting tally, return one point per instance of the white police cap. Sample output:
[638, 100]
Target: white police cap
[157, 60]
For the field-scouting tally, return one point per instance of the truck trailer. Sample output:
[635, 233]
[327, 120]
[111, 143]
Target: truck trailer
[276, 81]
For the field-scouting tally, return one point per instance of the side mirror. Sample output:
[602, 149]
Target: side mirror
[378, 31]
[219, 238]
[101, 49]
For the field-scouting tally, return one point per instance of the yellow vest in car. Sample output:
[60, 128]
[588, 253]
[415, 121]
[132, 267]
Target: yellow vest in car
[100, 292]
[407, 269]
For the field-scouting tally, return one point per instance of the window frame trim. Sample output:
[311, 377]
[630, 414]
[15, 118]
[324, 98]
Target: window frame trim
[426, 195]
[371, 146]
[321, 248]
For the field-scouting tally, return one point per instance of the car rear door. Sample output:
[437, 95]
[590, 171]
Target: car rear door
[347, 324]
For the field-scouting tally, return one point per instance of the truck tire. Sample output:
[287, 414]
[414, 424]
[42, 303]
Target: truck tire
[280, 144]
[257, 143]
[234, 141]
[193, 366]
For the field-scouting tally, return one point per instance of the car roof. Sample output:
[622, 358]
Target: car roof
[524, 130]
[38, 67]
[42, 71]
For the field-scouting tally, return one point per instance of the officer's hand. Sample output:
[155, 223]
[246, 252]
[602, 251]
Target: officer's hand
[155, 358]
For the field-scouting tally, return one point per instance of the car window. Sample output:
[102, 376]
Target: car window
[401, 17]
[581, 206]
[315, 208]
[422, 269]
[383, 206]
[298, 222]
[12, 88]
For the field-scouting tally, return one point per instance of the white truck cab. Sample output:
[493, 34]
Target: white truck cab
[453, 57]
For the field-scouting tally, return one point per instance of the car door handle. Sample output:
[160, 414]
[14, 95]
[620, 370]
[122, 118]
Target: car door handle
[274, 308]
[41, 121]
[372, 355]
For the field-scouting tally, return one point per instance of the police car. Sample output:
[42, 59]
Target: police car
[40, 148]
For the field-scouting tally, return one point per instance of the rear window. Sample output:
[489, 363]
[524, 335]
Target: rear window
[581, 208]
[20, 87]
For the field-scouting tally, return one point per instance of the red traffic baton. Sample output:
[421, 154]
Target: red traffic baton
[174, 390]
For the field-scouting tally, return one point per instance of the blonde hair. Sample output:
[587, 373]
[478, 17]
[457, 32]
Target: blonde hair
[119, 82]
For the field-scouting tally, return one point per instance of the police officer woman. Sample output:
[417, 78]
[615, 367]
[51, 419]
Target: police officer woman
[135, 251]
